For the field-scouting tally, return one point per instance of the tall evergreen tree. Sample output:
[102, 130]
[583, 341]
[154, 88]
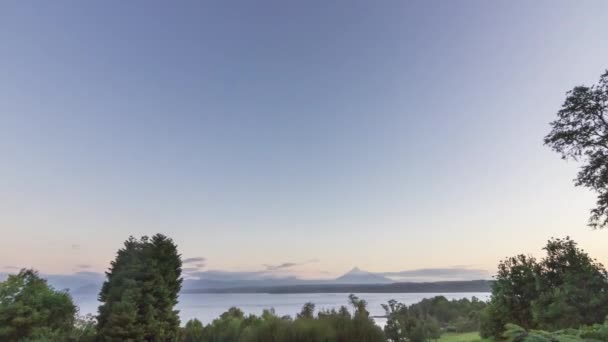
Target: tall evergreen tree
[141, 291]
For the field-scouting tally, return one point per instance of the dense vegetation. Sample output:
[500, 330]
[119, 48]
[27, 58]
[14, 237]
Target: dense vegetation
[29, 307]
[327, 325]
[596, 332]
[566, 289]
[418, 322]
[427, 319]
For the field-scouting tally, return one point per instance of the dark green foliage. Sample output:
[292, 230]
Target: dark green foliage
[192, 332]
[141, 291]
[581, 133]
[85, 329]
[30, 308]
[572, 287]
[512, 295]
[566, 289]
[308, 311]
[596, 332]
[328, 326]
[425, 320]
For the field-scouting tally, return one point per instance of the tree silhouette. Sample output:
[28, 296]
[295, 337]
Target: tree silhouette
[581, 133]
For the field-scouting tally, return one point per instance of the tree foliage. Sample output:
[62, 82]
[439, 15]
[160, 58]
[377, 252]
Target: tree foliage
[327, 326]
[572, 288]
[588, 333]
[580, 132]
[192, 332]
[565, 289]
[426, 320]
[141, 291]
[30, 308]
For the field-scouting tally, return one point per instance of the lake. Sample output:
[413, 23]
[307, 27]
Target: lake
[207, 307]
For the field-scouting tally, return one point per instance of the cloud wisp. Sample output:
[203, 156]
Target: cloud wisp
[286, 265]
[11, 267]
[438, 274]
[198, 260]
[193, 266]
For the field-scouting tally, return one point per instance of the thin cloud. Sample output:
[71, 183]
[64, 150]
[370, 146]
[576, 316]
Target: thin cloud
[229, 275]
[11, 268]
[280, 266]
[75, 246]
[84, 266]
[437, 274]
[193, 260]
[325, 272]
[193, 266]
[288, 265]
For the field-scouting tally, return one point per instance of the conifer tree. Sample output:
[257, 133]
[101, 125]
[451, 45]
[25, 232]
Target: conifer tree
[141, 291]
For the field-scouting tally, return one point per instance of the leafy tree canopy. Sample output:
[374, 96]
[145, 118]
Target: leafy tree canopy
[580, 132]
[29, 307]
[566, 289]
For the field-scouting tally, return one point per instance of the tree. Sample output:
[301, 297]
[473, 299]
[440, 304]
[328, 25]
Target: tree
[422, 321]
[360, 306]
[513, 293]
[84, 329]
[193, 331]
[30, 308]
[141, 291]
[307, 312]
[396, 317]
[565, 289]
[581, 133]
[572, 287]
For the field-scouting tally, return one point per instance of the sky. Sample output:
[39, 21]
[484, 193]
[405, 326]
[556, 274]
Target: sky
[299, 138]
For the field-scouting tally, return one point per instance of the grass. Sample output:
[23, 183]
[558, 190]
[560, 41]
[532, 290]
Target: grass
[461, 337]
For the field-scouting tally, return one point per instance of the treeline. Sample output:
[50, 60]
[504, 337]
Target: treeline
[416, 323]
[327, 325]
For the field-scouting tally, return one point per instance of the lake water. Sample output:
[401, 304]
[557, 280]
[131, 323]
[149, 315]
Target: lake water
[207, 307]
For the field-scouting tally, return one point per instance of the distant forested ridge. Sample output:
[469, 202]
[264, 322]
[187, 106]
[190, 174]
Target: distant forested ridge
[429, 287]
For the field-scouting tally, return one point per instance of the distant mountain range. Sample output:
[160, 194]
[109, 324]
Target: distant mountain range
[354, 276]
[358, 276]
[355, 280]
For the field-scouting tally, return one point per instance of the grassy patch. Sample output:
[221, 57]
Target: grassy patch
[461, 337]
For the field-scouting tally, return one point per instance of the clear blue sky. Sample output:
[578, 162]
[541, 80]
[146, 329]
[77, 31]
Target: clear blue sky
[389, 135]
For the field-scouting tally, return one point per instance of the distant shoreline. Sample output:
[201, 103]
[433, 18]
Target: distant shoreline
[429, 287]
